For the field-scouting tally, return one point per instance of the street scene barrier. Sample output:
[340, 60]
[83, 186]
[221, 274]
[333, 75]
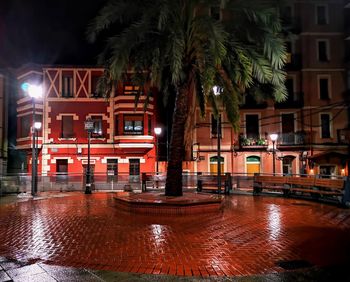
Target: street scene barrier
[334, 189]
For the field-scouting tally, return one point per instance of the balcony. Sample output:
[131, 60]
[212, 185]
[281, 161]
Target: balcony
[292, 139]
[295, 102]
[252, 143]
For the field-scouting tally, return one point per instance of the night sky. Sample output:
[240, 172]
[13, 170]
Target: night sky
[47, 32]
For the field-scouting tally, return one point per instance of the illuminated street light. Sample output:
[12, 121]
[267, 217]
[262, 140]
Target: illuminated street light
[89, 127]
[157, 131]
[217, 91]
[274, 137]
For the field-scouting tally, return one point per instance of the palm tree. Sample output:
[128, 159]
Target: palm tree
[185, 51]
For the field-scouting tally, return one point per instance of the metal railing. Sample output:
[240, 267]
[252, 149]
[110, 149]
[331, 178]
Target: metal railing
[62, 182]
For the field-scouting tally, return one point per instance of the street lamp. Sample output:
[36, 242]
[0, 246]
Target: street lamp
[35, 92]
[217, 91]
[89, 127]
[273, 137]
[157, 131]
[37, 127]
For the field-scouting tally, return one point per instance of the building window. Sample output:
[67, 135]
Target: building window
[252, 126]
[214, 164]
[133, 124]
[287, 165]
[94, 87]
[214, 126]
[112, 169]
[98, 130]
[325, 126]
[324, 88]
[67, 130]
[149, 125]
[290, 89]
[67, 86]
[215, 13]
[62, 170]
[134, 170]
[25, 125]
[322, 51]
[253, 165]
[116, 125]
[131, 90]
[321, 15]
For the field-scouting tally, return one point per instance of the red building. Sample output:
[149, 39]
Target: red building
[122, 140]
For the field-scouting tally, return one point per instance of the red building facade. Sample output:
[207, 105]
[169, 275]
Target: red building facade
[122, 140]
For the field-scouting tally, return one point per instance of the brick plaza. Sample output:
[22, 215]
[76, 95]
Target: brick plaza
[250, 236]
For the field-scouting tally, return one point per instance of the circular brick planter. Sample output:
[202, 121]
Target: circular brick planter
[158, 203]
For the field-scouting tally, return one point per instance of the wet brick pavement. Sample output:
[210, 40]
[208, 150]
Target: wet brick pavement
[250, 236]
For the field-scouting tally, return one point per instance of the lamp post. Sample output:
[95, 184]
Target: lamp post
[35, 92]
[89, 127]
[273, 137]
[157, 131]
[217, 91]
[37, 127]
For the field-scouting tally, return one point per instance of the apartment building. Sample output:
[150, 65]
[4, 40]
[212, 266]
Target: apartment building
[312, 124]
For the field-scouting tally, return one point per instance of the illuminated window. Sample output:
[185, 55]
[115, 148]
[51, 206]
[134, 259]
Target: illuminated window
[67, 130]
[133, 124]
[131, 89]
[98, 130]
[67, 86]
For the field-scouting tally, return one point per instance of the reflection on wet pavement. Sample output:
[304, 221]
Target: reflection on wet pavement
[250, 236]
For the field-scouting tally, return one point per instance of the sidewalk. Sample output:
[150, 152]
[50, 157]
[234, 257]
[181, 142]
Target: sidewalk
[14, 271]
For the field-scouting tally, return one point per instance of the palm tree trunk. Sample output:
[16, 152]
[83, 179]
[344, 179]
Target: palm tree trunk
[173, 186]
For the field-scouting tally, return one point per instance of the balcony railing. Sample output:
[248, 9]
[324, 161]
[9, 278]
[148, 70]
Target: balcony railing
[292, 102]
[293, 138]
[245, 141]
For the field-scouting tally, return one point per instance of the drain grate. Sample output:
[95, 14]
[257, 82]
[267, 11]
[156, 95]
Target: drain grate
[293, 264]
